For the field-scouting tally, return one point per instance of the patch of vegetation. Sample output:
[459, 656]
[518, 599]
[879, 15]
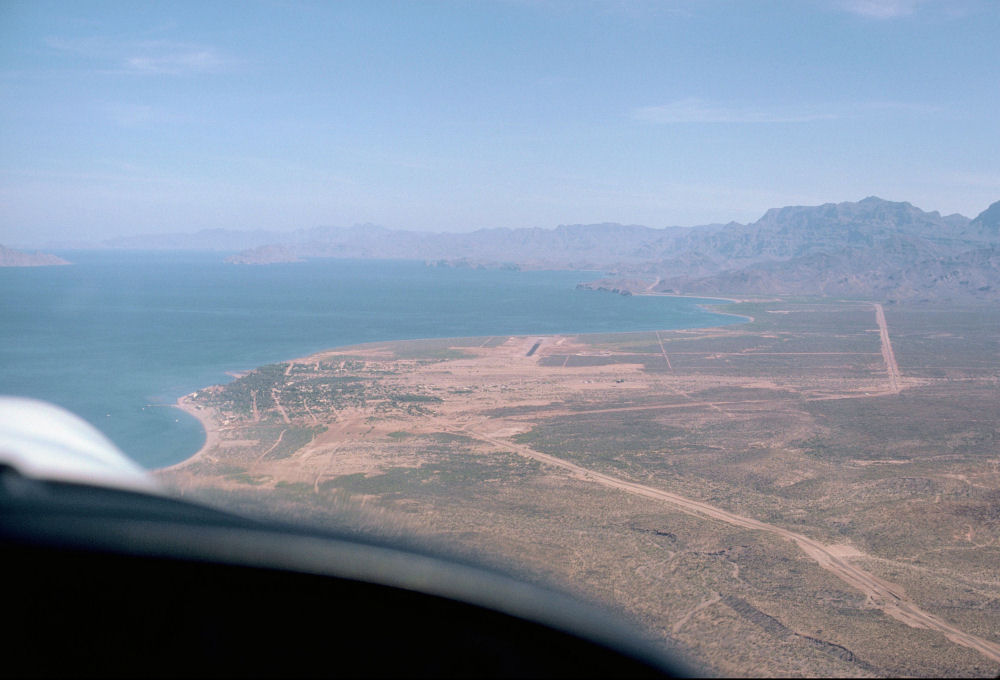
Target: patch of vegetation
[240, 395]
[449, 438]
[445, 474]
[296, 489]
[618, 340]
[619, 440]
[293, 439]
[434, 349]
[246, 478]
[423, 398]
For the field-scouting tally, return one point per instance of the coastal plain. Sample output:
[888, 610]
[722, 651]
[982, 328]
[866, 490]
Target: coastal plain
[813, 492]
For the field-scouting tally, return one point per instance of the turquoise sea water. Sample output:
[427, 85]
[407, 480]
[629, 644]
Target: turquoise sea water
[118, 336]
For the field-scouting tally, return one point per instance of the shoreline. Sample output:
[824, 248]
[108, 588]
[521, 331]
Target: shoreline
[746, 317]
[707, 307]
[210, 424]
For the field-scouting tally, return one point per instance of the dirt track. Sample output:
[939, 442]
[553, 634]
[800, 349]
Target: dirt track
[552, 413]
[277, 403]
[885, 596]
[663, 349]
[890, 357]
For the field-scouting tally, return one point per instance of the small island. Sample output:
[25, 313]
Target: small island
[264, 255]
[16, 258]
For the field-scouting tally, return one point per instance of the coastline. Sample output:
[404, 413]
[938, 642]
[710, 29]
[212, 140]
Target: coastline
[496, 393]
[706, 307]
[209, 421]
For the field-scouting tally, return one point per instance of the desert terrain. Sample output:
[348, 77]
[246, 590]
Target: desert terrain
[813, 492]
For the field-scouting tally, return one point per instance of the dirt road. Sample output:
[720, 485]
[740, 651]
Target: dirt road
[890, 357]
[663, 349]
[277, 404]
[273, 446]
[885, 596]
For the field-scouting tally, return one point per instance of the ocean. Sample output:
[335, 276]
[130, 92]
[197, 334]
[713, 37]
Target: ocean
[118, 336]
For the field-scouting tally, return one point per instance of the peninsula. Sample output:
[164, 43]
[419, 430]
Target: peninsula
[809, 493]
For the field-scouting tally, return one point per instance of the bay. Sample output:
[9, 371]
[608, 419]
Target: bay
[118, 336]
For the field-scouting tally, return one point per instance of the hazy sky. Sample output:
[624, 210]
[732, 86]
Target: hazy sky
[133, 117]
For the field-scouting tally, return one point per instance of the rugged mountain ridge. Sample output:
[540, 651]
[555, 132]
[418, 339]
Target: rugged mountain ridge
[871, 248]
[858, 273]
[565, 247]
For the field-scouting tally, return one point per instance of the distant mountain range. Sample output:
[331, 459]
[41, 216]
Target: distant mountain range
[872, 249]
[573, 247]
[16, 258]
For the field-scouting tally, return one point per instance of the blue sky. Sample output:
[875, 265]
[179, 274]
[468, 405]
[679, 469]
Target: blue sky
[136, 117]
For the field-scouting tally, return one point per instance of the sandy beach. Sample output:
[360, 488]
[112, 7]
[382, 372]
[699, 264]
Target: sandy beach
[208, 418]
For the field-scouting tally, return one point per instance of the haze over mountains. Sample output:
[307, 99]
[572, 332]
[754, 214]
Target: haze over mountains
[870, 249]
[873, 248]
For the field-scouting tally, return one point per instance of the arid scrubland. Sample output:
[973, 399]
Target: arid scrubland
[814, 492]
